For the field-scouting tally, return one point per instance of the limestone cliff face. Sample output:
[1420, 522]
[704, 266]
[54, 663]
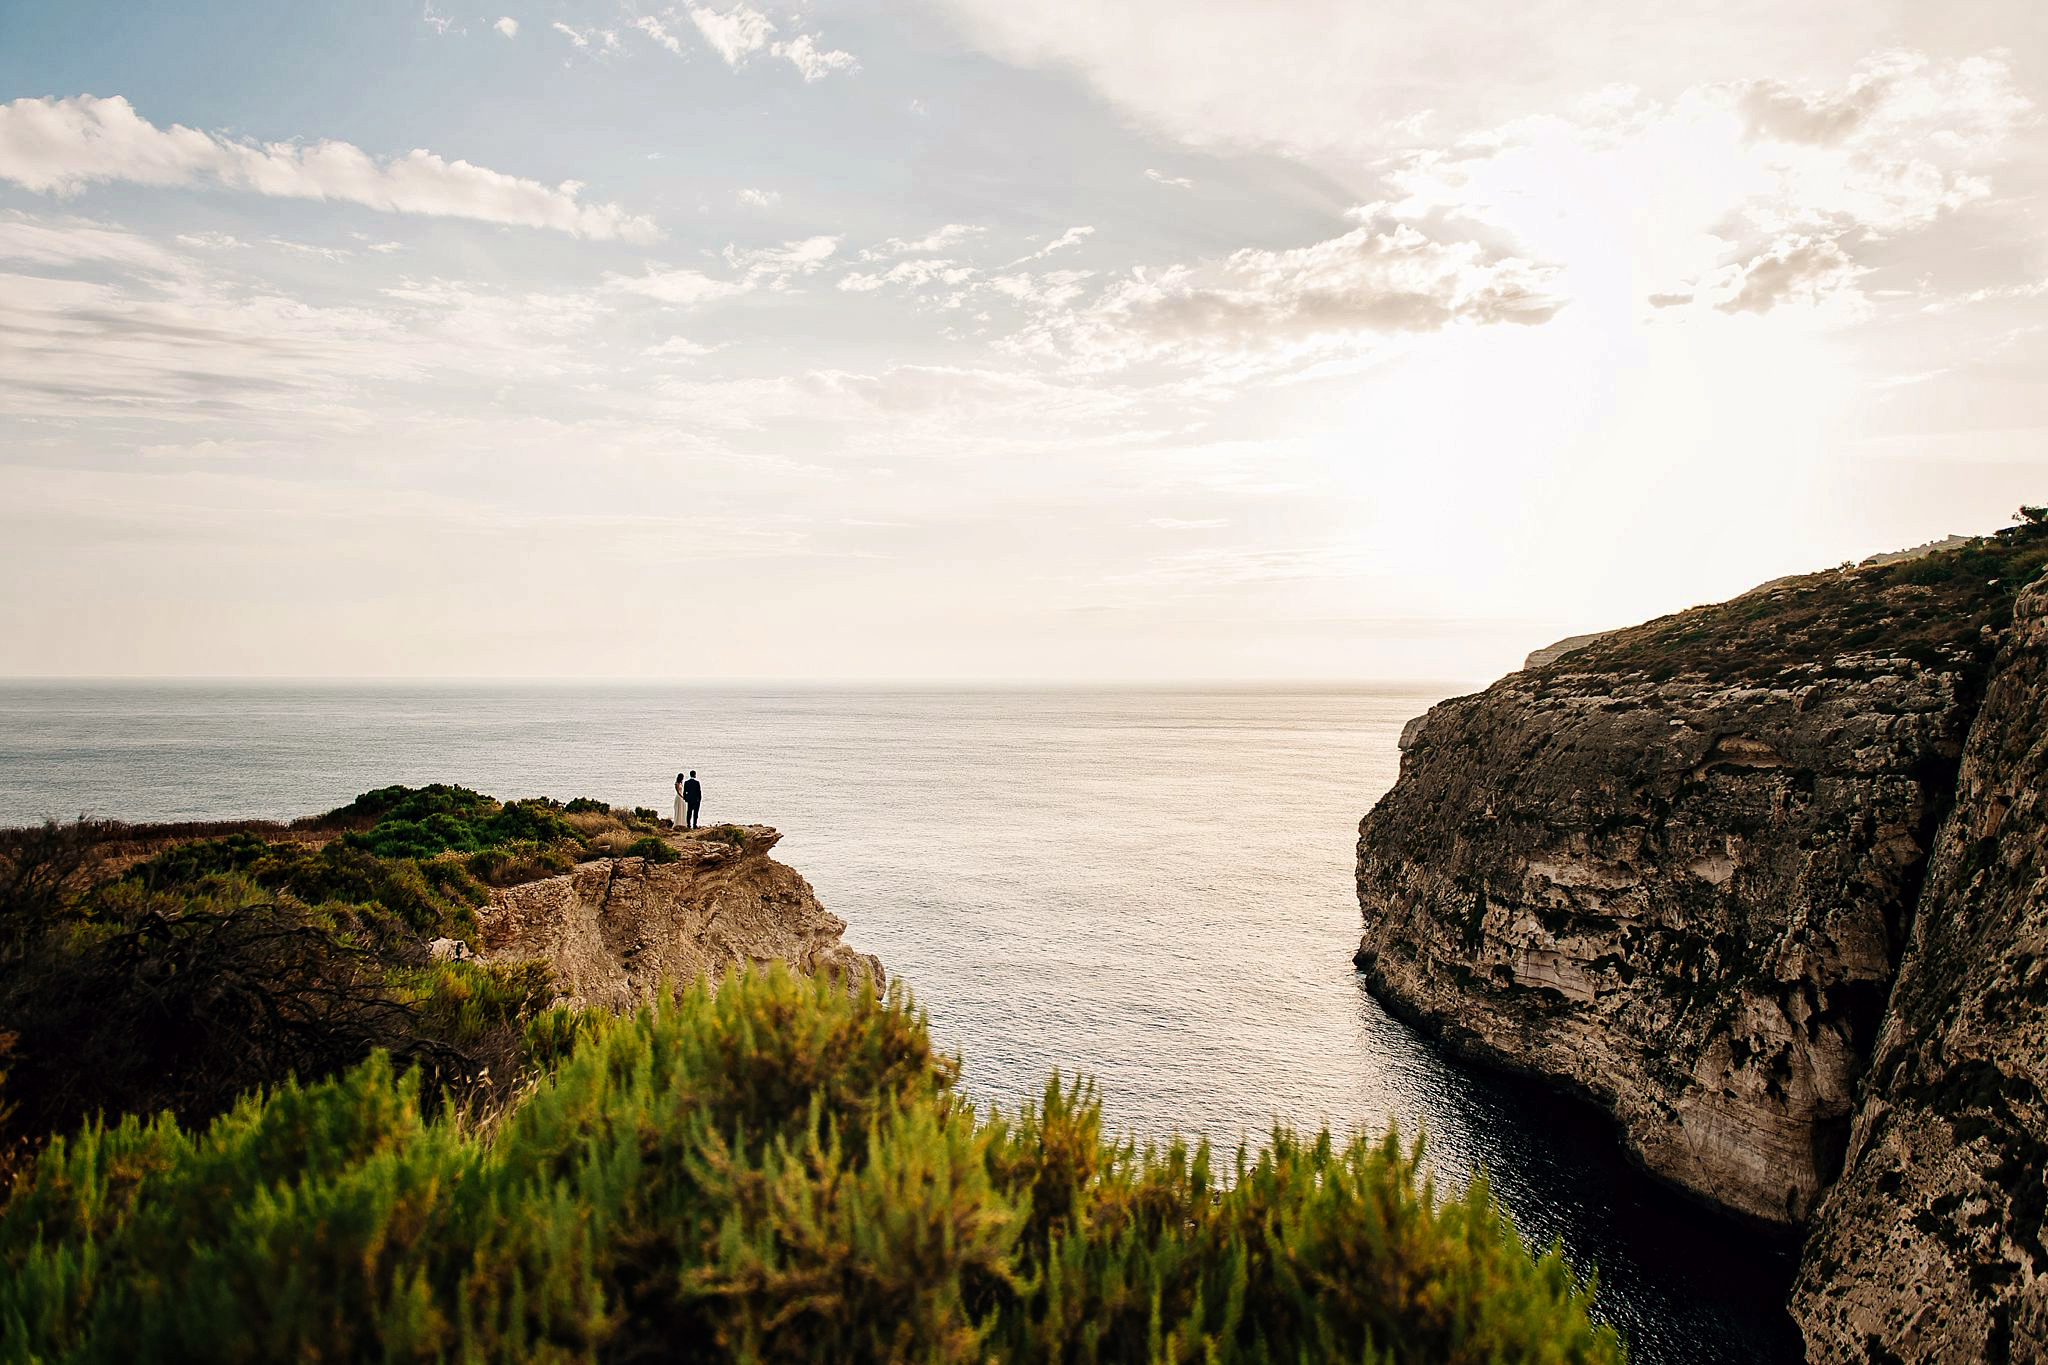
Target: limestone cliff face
[1931, 1246]
[1673, 868]
[615, 928]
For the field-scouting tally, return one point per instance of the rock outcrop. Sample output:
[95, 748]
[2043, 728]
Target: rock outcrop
[1930, 1248]
[614, 929]
[1678, 870]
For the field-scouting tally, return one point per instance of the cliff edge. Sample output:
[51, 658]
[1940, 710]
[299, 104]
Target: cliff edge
[613, 929]
[1931, 1245]
[1703, 870]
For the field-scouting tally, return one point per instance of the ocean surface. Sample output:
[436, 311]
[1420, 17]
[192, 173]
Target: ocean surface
[1150, 887]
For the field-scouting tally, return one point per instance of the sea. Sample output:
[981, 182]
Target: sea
[1152, 888]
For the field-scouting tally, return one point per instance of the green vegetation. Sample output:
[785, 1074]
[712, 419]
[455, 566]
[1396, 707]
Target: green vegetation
[777, 1172]
[142, 968]
[248, 1116]
[1942, 610]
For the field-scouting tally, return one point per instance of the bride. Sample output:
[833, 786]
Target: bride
[679, 800]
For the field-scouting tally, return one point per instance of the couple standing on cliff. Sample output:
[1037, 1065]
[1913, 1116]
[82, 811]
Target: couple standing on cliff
[689, 796]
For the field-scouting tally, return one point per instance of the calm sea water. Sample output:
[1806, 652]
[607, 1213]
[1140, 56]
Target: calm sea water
[1154, 888]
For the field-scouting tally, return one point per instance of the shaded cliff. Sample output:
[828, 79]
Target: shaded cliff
[1931, 1246]
[1673, 869]
[612, 929]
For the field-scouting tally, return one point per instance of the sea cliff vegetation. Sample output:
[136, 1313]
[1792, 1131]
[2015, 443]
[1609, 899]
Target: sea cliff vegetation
[251, 1116]
[777, 1171]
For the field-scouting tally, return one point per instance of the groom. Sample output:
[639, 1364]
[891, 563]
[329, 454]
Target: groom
[693, 795]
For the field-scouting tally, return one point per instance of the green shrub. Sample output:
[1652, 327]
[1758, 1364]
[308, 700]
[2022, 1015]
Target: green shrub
[777, 1171]
[727, 834]
[584, 805]
[652, 849]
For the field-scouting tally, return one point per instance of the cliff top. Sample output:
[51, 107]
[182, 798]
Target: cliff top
[1941, 609]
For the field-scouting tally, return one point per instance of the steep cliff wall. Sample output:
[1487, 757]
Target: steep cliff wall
[615, 928]
[1931, 1246]
[1673, 869]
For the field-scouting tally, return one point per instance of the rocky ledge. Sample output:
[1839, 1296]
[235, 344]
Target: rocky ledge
[614, 929]
[1704, 870]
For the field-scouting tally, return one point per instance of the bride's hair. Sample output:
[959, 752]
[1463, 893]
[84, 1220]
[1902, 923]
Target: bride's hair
[679, 777]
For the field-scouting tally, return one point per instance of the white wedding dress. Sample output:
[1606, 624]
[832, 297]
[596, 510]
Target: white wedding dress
[679, 807]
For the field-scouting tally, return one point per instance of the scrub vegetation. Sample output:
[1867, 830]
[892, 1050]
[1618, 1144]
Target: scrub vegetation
[251, 1117]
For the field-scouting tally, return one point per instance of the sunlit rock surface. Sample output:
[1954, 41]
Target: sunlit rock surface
[615, 928]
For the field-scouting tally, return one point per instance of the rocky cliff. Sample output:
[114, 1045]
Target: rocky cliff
[1930, 1248]
[1679, 868]
[615, 928]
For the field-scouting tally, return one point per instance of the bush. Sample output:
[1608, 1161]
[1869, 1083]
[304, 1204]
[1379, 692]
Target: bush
[777, 1171]
[652, 849]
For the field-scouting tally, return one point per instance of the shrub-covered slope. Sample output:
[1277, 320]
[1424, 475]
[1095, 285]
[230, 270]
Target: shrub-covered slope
[145, 968]
[777, 1172]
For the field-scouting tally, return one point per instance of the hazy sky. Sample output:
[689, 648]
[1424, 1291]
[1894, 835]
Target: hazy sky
[992, 338]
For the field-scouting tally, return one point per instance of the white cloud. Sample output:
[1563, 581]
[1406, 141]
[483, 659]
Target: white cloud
[1177, 182]
[734, 34]
[923, 271]
[1188, 524]
[659, 33]
[1259, 310]
[1808, 269]
[938, 239]
[60, 146]
[757, 199]
[77, 241]
[507, 26]
[682, 287]
[1073, 236]
[813, 61]
[678, 348]
[738, 33]
[776, 265]
[1801, 186]
[602, 38]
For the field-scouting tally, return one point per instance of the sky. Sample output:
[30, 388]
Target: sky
[1019, 340]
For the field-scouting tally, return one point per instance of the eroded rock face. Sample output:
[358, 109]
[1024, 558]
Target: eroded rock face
[616, 928]
[1930, 1248]
[1673, 868]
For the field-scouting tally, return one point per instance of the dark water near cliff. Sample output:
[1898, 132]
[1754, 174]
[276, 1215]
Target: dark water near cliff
[1152, 887]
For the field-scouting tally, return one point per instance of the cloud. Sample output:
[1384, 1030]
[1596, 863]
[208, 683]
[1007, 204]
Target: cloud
[774, 266]
[1181, 524]
[655, 30]
[603, 38]
[734, 34]
[738, 33]
[757, 199]
[1175, 181]
[77, 241]
[813, 61]
[913, 274]
[1807, 269]
[678, 348]
[938, 239]
[1073, 236]
[507, 26]
[59, 146]
[681, 287]
[1261, 309]
[770, 268]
